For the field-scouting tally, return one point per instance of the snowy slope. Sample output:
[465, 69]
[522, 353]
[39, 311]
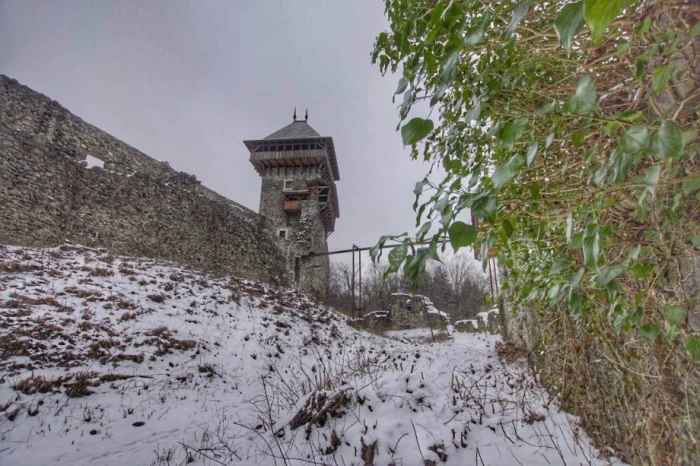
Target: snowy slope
[111, 361]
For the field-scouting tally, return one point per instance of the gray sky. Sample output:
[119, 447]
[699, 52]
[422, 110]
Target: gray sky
[187, 81]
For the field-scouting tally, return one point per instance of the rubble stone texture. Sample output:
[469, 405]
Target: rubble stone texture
[133, 205]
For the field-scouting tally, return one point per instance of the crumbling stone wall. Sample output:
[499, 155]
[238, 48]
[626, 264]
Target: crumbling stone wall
[415, 311]
[305, 231]
[135, 205]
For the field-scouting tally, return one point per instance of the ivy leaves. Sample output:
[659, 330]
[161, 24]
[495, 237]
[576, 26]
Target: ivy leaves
[635, 139]
[583, 100]
[512, 132]
[504, 173]
[591, 245]
[518, 14]
[529, 146]
[569, 23]
[661, 76]
[597, 14]
[600, 13]
[667, 142]
[461, 235]
[415, 130]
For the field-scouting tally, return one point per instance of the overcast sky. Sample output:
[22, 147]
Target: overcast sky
[187, 81]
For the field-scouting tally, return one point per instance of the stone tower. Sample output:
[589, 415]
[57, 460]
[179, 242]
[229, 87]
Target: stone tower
[299, 198]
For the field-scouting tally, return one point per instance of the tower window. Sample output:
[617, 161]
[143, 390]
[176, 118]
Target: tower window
[282, 232]
[287, 185]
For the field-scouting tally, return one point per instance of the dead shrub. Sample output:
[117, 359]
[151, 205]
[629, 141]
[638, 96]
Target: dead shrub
[81, 387]
[207, 369]
[17, 267]
[318, 407]
[101, 272]
[508, 352]
[157, 298]
[38, 384]
[13, 345]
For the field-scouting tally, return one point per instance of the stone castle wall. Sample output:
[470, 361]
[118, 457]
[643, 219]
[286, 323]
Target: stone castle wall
[305, 232]
[135, 205]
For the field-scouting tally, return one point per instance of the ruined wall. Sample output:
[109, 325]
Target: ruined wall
[135, 205]
[415, 311]
[305, 232]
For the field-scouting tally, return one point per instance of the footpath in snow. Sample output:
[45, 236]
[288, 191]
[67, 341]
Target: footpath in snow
[112, 360]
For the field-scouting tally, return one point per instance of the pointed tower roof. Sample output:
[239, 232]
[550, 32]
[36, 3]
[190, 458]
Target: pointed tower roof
[299, 131]
[296, 130]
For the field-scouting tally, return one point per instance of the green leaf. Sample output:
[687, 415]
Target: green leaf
[667, 141]
[696, 241]
[644, 27]
[600, 174]
[396, 258]
[607, 274]
[486, 244]
[640, 271]
[423, 230]
[649, 332]
[635, 139]
[485, 206]
[584, 98]
[418, 188]
[651, 180]
[433, 250]
[591, 245]
[415, 130]
[403, 84]
[442, 203]
[531, 153]
[576, 278]
[637, 315]
[688, 136]
[504, 173]
[600, 13]
[569, 23]
[622, 166]
[473, 113]
[512, 132]
[548, 141]
[559, 266]
[508, 228]
[661, 76]
[461, 235]
[450, 71]
[695, 30]
[674, 314]
[447, 216]
[692, 344]
[476, 34]
[691, 185]
[518, 14]
[376, 251]
[569, 227]
[547, 108]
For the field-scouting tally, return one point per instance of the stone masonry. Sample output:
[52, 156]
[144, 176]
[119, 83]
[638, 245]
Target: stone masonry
[135, 205]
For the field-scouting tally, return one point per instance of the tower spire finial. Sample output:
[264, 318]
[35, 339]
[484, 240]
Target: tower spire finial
[295, 114]
[306, 117]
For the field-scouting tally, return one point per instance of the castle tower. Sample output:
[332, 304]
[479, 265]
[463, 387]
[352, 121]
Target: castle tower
[299, 198]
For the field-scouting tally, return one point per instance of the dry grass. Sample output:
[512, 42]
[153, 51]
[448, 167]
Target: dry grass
[38, 384]
[81, 385]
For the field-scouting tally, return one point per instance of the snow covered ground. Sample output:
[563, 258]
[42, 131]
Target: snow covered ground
[109, 361]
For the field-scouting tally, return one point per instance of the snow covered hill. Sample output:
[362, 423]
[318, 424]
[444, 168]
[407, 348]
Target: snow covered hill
[111, 360]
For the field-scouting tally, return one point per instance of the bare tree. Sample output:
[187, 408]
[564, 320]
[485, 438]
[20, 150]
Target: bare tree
[455, 286]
